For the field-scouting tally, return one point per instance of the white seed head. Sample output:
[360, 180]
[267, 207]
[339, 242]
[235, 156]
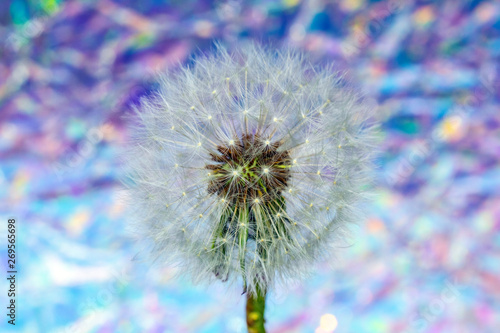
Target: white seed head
[265, 217]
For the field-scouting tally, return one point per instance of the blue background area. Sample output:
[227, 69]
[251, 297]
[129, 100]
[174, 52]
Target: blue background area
[426, 259]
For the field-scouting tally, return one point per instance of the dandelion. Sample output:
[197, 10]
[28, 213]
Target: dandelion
[248, 166]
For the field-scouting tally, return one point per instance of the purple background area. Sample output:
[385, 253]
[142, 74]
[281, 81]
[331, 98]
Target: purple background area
[426, 259]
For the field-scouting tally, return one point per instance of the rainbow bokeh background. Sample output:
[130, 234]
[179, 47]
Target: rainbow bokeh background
[426, 259]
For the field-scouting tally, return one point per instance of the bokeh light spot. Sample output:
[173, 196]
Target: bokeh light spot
[327, 323]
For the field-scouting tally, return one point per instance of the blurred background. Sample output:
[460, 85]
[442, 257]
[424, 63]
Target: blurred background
[426, 259]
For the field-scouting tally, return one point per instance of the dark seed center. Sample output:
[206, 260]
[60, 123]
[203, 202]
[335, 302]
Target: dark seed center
[249, 169]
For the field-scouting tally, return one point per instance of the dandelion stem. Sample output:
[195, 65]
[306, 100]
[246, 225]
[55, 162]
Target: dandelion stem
[256, 304]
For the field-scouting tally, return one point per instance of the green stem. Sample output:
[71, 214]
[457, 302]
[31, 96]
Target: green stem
[256, 305]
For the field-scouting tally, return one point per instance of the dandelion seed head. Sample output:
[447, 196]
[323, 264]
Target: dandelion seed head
[241, 207]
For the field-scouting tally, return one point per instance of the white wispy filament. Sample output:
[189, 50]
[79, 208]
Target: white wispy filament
[248, 165]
